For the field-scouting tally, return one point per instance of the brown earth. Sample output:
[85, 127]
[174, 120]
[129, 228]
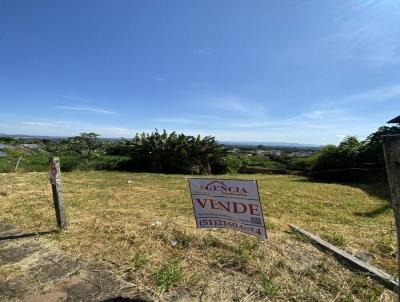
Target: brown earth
[38, 271]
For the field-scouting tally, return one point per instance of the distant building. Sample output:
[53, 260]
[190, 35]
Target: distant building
[31, 146]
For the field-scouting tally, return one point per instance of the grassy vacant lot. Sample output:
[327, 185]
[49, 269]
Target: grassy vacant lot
[141, 227]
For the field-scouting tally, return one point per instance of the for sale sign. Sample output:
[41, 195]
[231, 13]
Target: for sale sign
[232, 204]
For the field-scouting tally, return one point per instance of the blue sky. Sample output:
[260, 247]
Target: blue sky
[296, 71]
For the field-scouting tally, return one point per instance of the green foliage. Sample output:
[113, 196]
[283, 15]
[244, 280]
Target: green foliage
[86, 146]
[260, 161]
[121, 147]
[8, 140]
[39, 163]
[343, 156]
[139, 260]
[371, 149]
[303, 163]
[177, 153]
[268, 286]
[70, 163]
[28, 163]
[236, 161]
[351, 160]
[6, 164]
[336, 239]
[168, 275]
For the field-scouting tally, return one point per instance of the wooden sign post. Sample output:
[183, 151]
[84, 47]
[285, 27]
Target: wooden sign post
[391, 147]
[58, 198]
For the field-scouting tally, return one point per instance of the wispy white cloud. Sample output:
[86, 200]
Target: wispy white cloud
[90, 109]
[46, 124]
[70, 128]
[228, 105]
[159, 79]
[205, 51]
[188, 119]
[360, 32]
[251, 125]
[74, 98]
[175, 120]
[322, 114]
[373, 96]
[117, 131]
[205, 116]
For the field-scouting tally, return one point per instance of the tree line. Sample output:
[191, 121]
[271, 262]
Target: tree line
[161, 152]
[351, 160]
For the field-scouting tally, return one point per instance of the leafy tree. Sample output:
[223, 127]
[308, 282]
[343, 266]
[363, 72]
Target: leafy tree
[371, 150]
[85, 144]
[173, 153]
[121, 147]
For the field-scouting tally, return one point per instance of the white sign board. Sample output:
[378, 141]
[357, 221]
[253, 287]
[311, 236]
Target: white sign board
[233, 204]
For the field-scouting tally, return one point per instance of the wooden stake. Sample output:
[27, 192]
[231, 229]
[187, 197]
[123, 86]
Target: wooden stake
[16, 166]
[58, 198]
[391, 148]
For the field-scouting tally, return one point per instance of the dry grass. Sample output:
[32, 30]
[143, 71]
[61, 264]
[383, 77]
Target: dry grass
[112, 221]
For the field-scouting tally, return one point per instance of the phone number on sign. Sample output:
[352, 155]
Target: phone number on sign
[228, 224]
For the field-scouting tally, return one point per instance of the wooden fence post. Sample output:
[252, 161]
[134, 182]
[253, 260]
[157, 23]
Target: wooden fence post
[391, 148]
[58, 198]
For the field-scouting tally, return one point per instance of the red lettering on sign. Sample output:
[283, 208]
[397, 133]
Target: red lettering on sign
[202, 204]
[229, 206]
[254, 209]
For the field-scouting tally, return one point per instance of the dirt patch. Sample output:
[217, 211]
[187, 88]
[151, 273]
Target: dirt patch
[17, 252]
[33, 269]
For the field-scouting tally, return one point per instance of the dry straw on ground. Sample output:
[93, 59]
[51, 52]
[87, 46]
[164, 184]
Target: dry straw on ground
[141, 227]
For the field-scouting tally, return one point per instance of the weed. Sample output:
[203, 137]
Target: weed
[366, 293]
[242, 253]
[195, 278]
[280, 263]
[300, 236]
[139, 260]
[182, 239]
[349, 297]
[335, 239]
[212, 241]
[240, 256]
[385, 244]
[268, 286]
[167, 275]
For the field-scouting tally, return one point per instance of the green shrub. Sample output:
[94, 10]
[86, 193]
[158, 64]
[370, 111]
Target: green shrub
[110, 162]
[37, 163]
[302, 163]
[233, 162]
[69, 163]
[6, 164]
